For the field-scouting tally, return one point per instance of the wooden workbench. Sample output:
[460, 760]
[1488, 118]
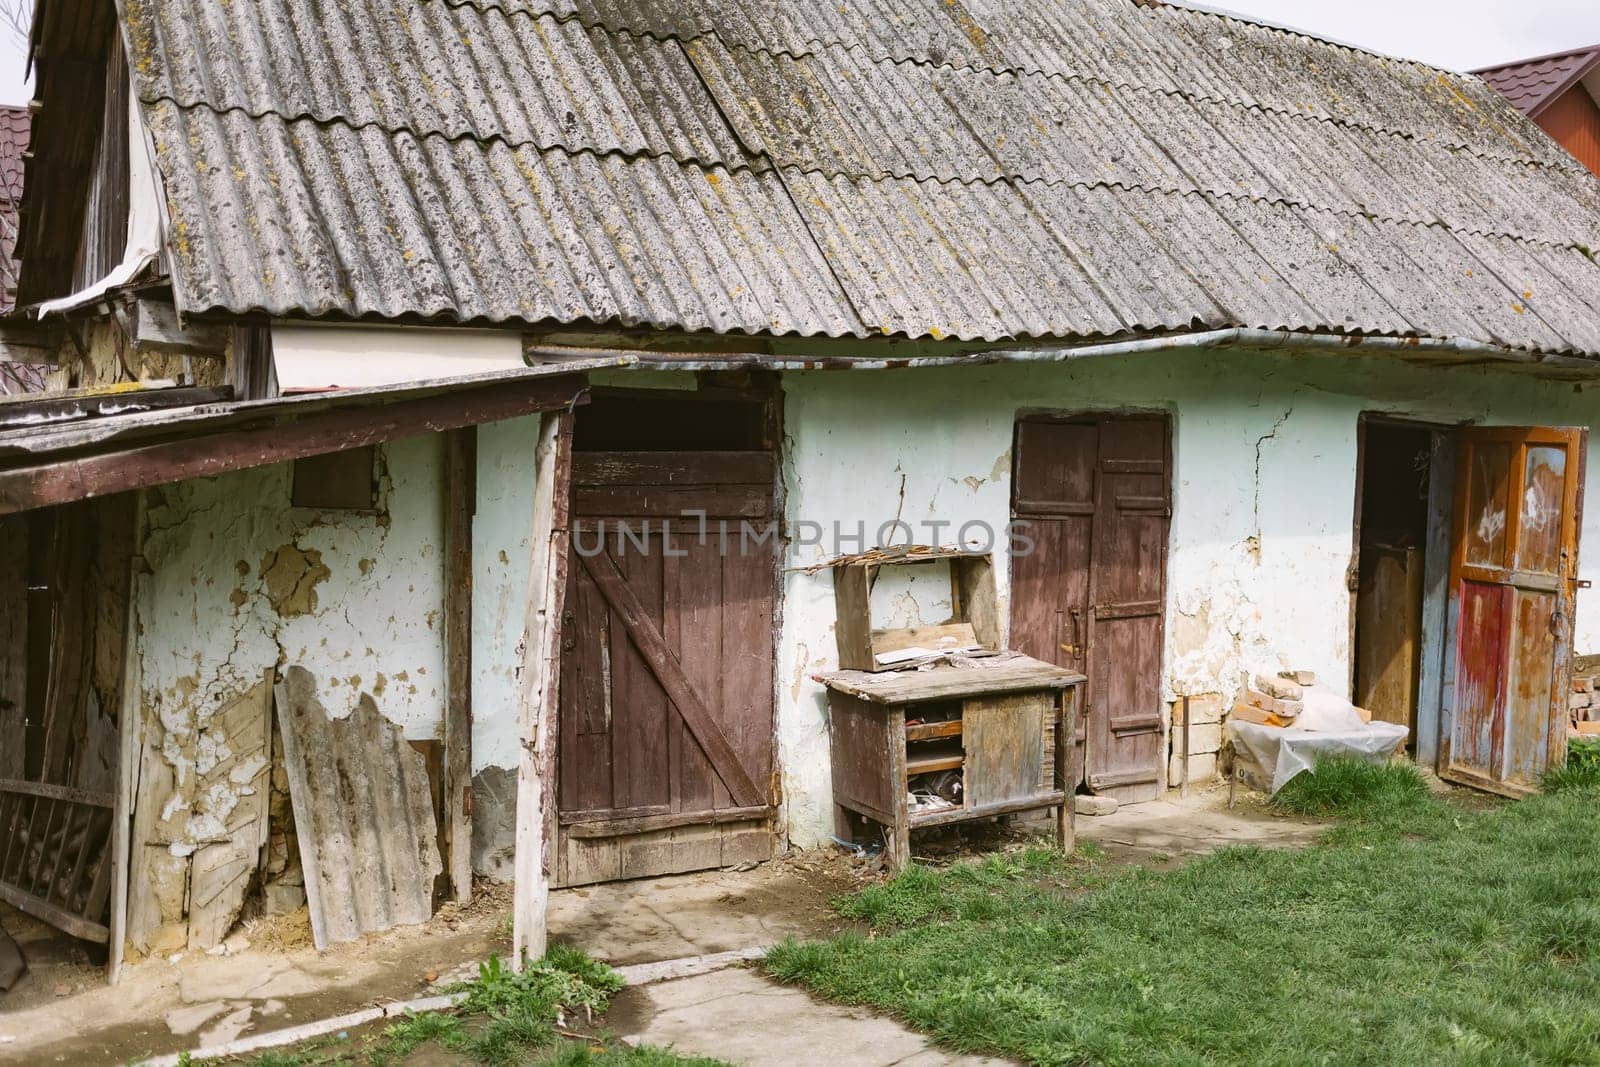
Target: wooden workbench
[1006, 723]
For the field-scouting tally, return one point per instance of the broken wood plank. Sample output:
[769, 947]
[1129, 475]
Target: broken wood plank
[462, 485]
[653, 647]
[540, 673]
[155, 324]
[221, 870]
[55, 915]
[296, 438]
[362, 812]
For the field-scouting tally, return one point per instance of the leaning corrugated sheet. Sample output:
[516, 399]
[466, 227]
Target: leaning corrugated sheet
[977, 169]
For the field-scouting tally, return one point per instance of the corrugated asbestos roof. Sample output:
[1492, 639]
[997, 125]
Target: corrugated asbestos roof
[1534, 84]
[979, 169]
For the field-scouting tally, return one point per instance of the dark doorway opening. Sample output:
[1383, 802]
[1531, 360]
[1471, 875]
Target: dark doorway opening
[1394, 554]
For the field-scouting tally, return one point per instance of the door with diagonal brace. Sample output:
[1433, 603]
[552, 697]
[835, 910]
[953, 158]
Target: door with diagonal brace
[666, 716]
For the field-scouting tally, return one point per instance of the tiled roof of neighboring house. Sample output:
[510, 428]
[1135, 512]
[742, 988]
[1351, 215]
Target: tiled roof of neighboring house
[978, 169]
[1533, 84]
[13, 145]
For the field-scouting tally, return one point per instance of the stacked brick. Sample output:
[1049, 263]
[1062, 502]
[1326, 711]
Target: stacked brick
[1205, 739]
[1273, 700]
[1585, 699]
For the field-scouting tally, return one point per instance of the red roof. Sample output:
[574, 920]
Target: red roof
[1533, 84]
[13, 143]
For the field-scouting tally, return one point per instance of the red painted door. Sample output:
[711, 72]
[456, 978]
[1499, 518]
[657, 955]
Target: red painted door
[1514, 574]
[1096, 493]
[667, 685]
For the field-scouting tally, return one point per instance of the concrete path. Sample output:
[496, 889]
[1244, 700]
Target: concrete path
[740, 1017]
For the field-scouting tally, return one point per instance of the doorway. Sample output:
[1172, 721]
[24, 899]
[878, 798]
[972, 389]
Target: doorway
[1393, 522]
[1463, 585]
[666, 742]
[1096, 493]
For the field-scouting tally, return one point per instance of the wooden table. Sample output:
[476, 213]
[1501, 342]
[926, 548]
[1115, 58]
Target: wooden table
[1007, 724]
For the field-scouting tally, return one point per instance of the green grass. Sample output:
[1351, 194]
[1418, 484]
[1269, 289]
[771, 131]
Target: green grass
[505, 1019]
[1417, 932]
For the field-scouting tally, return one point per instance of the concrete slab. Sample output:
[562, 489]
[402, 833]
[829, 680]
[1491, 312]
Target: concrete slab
[742, 1018]
[1195, 826]
[699, 914]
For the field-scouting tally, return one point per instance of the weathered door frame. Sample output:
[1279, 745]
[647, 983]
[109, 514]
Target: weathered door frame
[1436, 570]
[1169, 421]
[767, 391]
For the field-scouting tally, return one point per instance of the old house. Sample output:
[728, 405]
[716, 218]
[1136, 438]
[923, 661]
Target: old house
[1278, 352]
[1561, 93]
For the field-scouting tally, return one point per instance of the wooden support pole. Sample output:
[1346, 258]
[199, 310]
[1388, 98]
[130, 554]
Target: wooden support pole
[130, 722]
[540, 677]
[461, 467]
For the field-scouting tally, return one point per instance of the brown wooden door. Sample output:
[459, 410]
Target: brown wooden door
[1096, 493]
[666, 713]
[1513, 579]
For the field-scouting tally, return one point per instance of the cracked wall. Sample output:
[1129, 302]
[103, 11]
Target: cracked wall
[1264, 451]
[239, 582]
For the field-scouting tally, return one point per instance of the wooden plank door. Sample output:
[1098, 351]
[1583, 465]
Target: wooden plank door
[1513, 578]
[1090, 596]
[667, 678]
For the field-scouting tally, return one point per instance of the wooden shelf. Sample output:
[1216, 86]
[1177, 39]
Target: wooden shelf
[930, 764]
[962, 814]
[930, 731]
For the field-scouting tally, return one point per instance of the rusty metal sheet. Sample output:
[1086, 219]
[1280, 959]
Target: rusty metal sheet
[363, 813]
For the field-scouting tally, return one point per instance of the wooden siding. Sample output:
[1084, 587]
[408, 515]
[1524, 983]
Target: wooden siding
[1574, 121]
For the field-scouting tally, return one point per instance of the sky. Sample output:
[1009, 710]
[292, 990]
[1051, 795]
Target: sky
[1458, 34]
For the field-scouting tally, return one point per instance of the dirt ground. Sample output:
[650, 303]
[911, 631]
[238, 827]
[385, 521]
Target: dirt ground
[278, 980]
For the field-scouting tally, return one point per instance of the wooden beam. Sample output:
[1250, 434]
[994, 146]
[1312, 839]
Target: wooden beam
[56, 916]
[312, 435]
[540, 674]
[561, 526]
[461, 448]
[34, 411]
[154, 324]
[644, 824]
[57, 792]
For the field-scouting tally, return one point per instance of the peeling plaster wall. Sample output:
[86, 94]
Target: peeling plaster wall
[1264, 489]
[501, 544]
[239, 581]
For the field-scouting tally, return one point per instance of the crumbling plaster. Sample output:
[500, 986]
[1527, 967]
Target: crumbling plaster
[238, 581]
[1264, 450]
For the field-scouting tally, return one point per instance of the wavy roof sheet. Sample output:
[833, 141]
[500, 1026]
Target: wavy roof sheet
[977, 169]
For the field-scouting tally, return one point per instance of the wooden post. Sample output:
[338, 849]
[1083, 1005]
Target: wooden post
[129, 728]
[1067, 769]
[540, 677]
[462, 494]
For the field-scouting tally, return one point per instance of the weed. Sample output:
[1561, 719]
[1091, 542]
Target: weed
[1581, 771]
[1351, 788]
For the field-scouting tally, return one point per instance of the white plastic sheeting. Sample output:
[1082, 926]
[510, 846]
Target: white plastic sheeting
[1286, 752]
